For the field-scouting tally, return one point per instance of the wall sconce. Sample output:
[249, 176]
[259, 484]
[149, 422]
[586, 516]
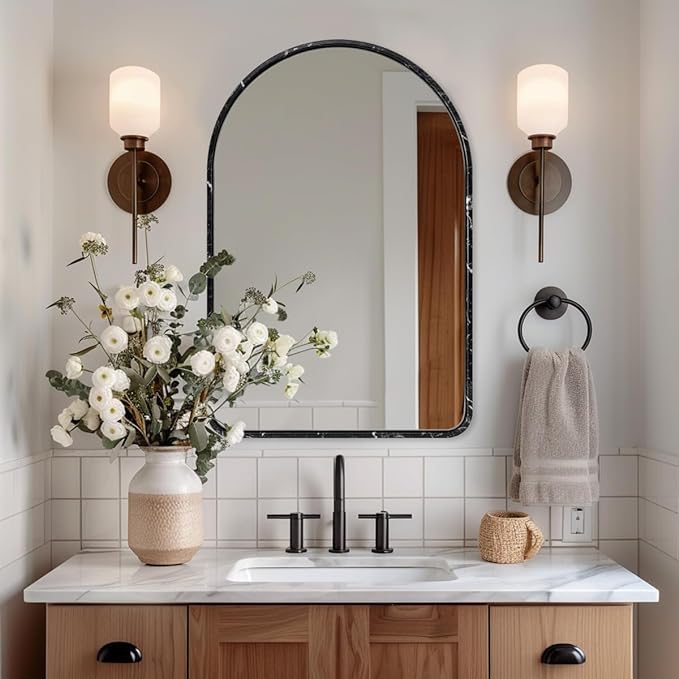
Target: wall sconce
[139, 181]
[539, 182]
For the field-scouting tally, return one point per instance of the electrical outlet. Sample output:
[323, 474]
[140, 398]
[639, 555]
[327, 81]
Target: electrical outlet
[577, 524]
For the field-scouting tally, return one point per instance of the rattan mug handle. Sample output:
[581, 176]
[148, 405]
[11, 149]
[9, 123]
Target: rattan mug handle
[536, 539]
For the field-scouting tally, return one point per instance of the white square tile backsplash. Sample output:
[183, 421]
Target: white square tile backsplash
[443, 519]
[447, 490]
[315, 477]
[403, 477]
[618, 517]
[236, 477]
[618, 475]
[444, 476]
[277, 477]
[363, 476]
[237, 519]
[100, 519]
[484, 477]
[100, 478]
[658, 482]
[66, 477]
[65, 519]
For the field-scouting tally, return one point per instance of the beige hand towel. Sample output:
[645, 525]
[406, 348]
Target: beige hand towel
[556, 448]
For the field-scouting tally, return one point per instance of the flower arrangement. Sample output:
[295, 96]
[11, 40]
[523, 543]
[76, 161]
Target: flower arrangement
[160, 385]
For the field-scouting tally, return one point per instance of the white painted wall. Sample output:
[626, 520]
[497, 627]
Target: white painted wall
[474, 49]
[25, 343]
[659, 244]
[25, 224]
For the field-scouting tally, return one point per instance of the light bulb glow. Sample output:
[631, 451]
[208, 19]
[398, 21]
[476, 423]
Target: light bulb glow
[542, 99]
[134, 101]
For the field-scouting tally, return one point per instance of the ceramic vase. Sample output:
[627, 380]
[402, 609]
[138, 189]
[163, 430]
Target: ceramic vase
[165, 511]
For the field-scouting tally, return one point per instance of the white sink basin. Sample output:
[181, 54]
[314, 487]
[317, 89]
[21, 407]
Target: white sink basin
[355, 570]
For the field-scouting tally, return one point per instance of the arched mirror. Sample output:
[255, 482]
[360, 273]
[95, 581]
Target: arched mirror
[348, 160]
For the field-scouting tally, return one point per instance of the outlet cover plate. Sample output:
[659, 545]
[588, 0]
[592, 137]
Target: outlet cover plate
[577, 524]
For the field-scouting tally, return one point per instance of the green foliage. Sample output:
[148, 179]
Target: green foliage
[216, 263]
[69, 387]
[197, 283]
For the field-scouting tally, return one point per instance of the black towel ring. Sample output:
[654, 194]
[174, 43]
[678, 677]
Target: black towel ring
[551, 303]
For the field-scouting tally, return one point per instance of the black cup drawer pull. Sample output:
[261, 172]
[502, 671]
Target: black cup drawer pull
[119, 652]
[563, 654]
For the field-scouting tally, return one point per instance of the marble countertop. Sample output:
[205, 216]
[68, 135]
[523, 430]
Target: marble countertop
[554, 575]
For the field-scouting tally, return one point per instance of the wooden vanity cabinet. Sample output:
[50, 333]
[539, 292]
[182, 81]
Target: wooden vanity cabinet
[338, 642]
[76, 634]
[295, 641]
[520, 634]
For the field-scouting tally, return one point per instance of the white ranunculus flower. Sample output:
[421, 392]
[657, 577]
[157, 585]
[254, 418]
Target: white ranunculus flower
[231, 378]
[114, 339]
[122, 382]
[173, 274]
[113, 411]
[74, 367]
[61, 436]
[78, 408]
[291, 389]
[235, 433]
[158, 349]
[167, 300]
[329, 336]
[226, 339]
[279, 361]
[113, 431]
[236, 360]
[150, 293]
[127, 298]
[105, 376]
[202, 363]
[270, 306]
[100, 397]
[283, 344]
[92, 420]
[323, 341]
[294, 372]
[65, 418]
[132, 324]
[257, 333]
[91, 236]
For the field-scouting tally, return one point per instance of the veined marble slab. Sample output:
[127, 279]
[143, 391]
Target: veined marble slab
[553, 576]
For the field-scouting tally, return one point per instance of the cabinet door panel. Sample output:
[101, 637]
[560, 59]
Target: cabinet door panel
[263, 661]
[429, 642]
[277, 642]
[338, 642]
[76, 633]
[410, 661]
[520, 634]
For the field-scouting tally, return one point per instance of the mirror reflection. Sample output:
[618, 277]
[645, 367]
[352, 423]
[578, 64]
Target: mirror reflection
[343, 162]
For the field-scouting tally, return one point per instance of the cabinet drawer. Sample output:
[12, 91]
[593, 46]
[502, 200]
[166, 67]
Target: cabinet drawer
[520, 634]
[76, 633]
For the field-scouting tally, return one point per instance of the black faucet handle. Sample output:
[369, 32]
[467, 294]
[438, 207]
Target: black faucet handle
[382, 529]
[296, 529]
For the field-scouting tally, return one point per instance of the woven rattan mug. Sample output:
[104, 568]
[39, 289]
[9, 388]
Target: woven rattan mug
[509, 537]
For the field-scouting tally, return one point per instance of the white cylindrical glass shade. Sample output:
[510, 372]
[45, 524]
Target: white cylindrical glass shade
[134, 101]
[542, 99]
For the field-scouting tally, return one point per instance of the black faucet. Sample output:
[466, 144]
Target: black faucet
[339, 515]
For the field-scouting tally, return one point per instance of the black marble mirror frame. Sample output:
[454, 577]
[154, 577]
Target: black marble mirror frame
[466, 153]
